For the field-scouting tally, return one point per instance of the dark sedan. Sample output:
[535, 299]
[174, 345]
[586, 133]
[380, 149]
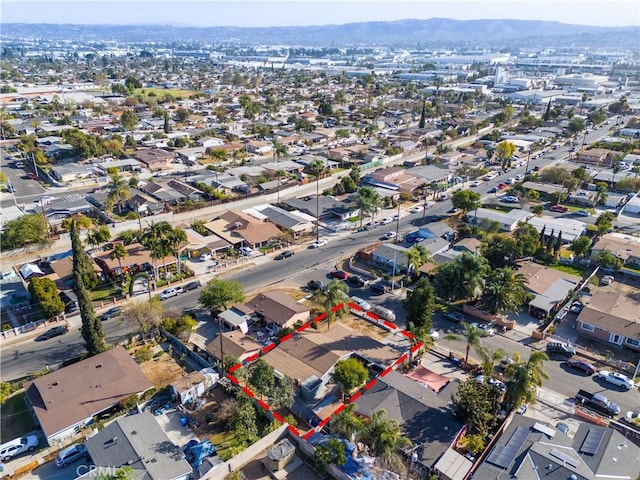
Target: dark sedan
[111, 313]
[53, 332]
[581, 365]
[285, 254]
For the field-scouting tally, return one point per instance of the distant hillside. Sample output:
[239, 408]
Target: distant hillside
[434, 32]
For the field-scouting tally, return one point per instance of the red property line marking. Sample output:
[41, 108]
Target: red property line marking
[355, 397]
[235, 367]
[288, 336]
[386, 371]
[263, 405]
[355, 307]
[407, 334]
[338, 307]
[339, 409]
[324, 422]
[308, 434]
[252, 358]
[390, 325]
[268, 348]
[248, 392]
[304, 327]
[320, 318]
[401, 359]
[233, 379]
[295, 431]
[370, 384]
[416, 347]
[277, 416]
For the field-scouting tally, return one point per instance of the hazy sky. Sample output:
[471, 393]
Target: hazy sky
[263, 13]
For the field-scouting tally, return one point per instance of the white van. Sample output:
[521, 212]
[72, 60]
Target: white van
[384, 313]
[18, 446]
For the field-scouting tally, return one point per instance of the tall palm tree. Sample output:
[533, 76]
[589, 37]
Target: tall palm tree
[417, 256]
[384, 435]
[473, 338]
[334, 294]
[177, 239]
[489, 359]
[118, 253]
[156, 238]
[525, 377]
[119, 191]
[348, 424]
[317, 168]
[504, 290]
[368, 201]
[279, 150]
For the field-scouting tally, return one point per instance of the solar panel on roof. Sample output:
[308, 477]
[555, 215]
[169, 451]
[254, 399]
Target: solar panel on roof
[564, 458]
[503, 455]
[592, 441]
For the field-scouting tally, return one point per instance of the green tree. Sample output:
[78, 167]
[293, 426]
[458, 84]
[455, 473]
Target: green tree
[331, 297]
[504, 290]
[147, 316]
[243, 423]
[24, 230]
[348, 423]
[262, 377]
[177, 239]
[602, 194]
[118, 253]
[472, 336]
[130, 236]
[417, 256]
[608, 260]
[580, 246]
[576, 125]
[368, 201]
[317, 169]
[460, 279]
[504, 152]
[44, 292]
[91, 330]
[420, 304]
[528, 240]
[604, 222]
[182, 114]
[473, 405]
[466, 200]
[219, 294]
[129, 120]
[119, 191]
[501, 251]
[348, 184]
[525, 377]
[334, 451]
[349, 375]
[384, 435]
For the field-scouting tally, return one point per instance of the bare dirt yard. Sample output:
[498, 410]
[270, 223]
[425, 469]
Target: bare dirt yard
[162, 370]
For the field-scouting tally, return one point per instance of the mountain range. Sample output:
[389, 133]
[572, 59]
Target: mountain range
[434, 32]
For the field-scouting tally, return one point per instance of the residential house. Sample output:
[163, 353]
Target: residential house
[625, 247]
[328, 207]
[584, 198]
[138, 259]
[394, 178]
[596, 156]
[13, 292]
[258, 147]
[229, 183]
[544, 189]
[70, 172]
[188, 191]
[570, 229]
[210, 142]
[154, 159]
[60, 208]
[66, 400]
[391, 256]
[550, 287]
[144, 205]
[611, 317]
[199, 244]
[530, 449]
[279, 308]
[137, 442]
[296, 222]
[239, 229]
[432, 174]
[123, 165]
[424, 413]
[163, 192]
[237, 317]
[193, 385]
[234, 343]
[191, 155]
[508, 221]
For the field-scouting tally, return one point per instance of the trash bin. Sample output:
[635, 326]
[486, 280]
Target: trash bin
[184, 421]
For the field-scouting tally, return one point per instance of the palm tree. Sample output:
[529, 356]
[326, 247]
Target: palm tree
[461, 279]
[417, 256]
[384, 435]
[334, 294]
[525, 378]
[473, 338]
[368, 201]
[156, 238]
[317, 168]
[119, 190]
[279, 175]
[348, 424]
[119, 253]
[279, 150]
[489, 359]
[504, 290]
[177, 239]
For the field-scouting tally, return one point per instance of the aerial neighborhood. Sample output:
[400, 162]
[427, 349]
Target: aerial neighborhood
[224, 261]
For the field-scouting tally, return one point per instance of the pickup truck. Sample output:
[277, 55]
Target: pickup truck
[598, 403]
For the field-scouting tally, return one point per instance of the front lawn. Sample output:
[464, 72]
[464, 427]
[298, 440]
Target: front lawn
[16, 419]
[104, 293]
[573, 270]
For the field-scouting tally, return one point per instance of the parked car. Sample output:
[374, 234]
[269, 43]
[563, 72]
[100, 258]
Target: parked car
[615, 378]
[113, 312]
[318, 244]
[389, 235]
[339, 274]
[509, 199]
[416, 209]
[285, 254]
[581, 365]
[70, 307]
[384, 313]
[386, 221]
[170, 292]
[315, 285]
[633, 418]
[53, 332]
[397, 216]
[582, 213]
[434, 335]
[192, 286]
[576, 307]
[364, 305]
[246, 251]
[71, 454]
[483, 327]
[559, 348]
[607, 280]
[205, 257]
[559, 208]
[18, 164]
[476, 183]
[371, 225]
[31, 176]
[455, 317]
[17, 447]
[356, 281]
[378, 288]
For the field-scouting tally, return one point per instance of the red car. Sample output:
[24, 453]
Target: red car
[339, 274]
[559, 208]
[31, 176]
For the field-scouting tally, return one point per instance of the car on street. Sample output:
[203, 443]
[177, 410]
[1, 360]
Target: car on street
[581, 365]
[285, 254]
[491, 381]
[397, 216]
[483, 327]
[356, 281]
[315, 285]
[582, 213]
[416, 209]
[339, 274]
[371, 225]
[434, 335]
[607, 280]
[318, 244]
[364, 305]
[559, 348]
[559, 209]
[476, 183]
[455, 317]
[205, 257]
[170, 292]
[453, 210]
[192, 286]
[71, 454]
[70, 307]
[389, 235]
[18, 164]
[615, 378]
[509, 199]
[52, 332]
[378, 288]
[18, 446]
[31, 176]
[519, 177]
[113, 312]
[386, 221]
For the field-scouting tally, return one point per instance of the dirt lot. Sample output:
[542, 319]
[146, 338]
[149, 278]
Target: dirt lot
[163, 370]
[363, 326]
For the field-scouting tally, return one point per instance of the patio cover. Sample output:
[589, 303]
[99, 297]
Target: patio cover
[434, 381]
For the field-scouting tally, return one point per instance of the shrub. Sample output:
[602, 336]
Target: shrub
[144, 354]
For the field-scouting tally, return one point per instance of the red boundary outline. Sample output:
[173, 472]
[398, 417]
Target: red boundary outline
[267, 348]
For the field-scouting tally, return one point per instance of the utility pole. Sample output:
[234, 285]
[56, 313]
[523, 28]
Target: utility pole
[397, 240]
